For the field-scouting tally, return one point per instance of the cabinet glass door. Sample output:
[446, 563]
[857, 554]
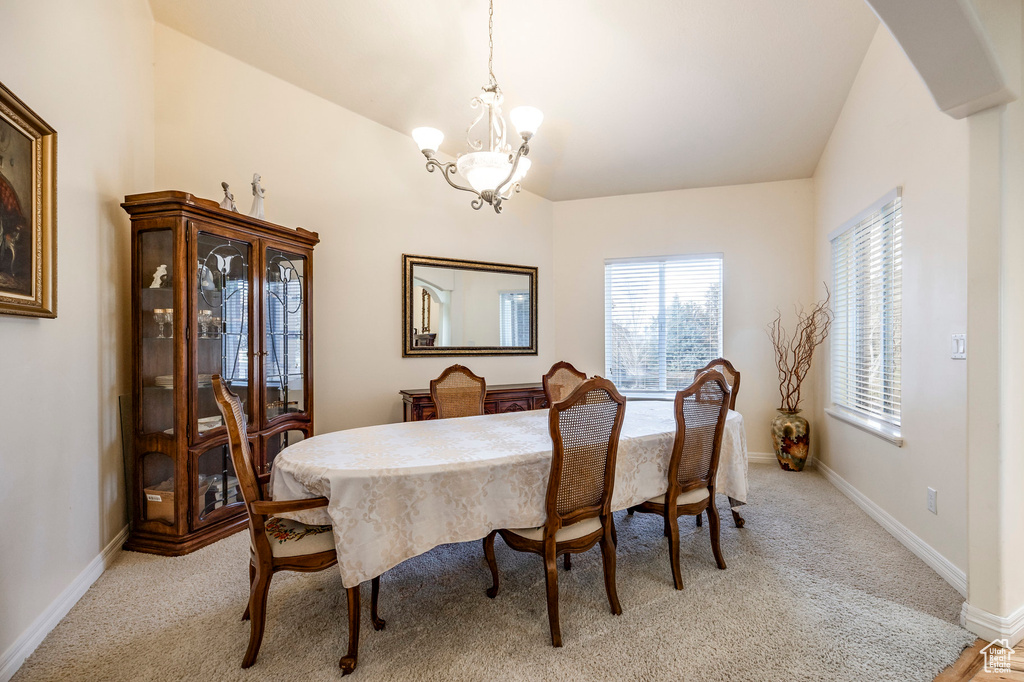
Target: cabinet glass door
[156, 328]
[284, 345]
[222, 324]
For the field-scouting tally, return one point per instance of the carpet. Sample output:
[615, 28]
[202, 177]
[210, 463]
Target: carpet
[814, 590]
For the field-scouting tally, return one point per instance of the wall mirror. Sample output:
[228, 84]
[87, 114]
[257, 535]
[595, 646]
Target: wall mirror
[463, 307]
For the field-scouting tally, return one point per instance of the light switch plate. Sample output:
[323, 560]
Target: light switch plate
[932, 507]
[958, 349]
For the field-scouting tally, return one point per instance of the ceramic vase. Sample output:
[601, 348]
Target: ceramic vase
[791, 437]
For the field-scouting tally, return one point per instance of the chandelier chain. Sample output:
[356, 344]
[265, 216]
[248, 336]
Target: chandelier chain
[490, 44]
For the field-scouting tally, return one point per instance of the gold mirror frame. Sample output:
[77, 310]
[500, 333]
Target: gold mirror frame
[409, 307]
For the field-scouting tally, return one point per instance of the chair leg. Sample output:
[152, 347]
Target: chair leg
[348, 661]
[615, 536]
[714, 526]
[378, 622]
[492, 563]
[700, 520]
[608, 558]
[258, 612]
[737, 519]
[673, 550]
[566, 561]
[551, 579]
[252, 577]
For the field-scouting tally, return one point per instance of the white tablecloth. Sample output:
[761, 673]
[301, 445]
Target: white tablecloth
[398, 490]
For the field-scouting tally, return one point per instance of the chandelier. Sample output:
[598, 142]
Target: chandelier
[494, 173]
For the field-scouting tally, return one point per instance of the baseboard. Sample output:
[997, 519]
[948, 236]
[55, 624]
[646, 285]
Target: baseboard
[991, 627]
[770, 458]
[925, 552]
[23, 647]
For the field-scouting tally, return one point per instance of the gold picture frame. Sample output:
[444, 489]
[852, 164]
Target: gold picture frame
[28, 211]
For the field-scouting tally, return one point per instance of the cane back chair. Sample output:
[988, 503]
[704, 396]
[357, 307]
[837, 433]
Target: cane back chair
[701, 411]
[278, 544]
[732, 377]
[585, 436]
[458, 393]
[561, 380]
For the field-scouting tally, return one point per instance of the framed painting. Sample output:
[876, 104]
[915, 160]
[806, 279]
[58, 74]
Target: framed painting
[28, 211]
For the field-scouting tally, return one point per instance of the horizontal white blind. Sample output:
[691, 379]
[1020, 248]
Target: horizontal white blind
[514, 324]
[867, 265]
[663, 320]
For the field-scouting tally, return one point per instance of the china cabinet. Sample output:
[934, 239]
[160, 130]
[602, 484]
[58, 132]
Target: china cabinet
[213, 292]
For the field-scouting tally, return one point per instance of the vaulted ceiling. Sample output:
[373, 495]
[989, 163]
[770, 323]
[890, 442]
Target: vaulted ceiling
[638, 96]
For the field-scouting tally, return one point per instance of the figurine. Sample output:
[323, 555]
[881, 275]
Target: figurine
[257, 197]
[159, 277]
[228, 202]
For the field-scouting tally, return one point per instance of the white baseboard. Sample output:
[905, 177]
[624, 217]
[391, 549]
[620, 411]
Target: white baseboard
[991, 627]
[925, 552]
[770, 458]
[23, 647]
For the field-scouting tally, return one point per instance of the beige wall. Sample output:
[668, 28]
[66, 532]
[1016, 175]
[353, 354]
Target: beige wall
[86, 68]
[890, 133]
[364, 188]
[765, 232]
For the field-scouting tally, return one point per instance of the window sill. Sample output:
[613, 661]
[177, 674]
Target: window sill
[872, 426]
[637, 397]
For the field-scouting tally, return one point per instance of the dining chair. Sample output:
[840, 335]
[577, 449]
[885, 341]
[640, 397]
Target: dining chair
[458, 393]
[584, 432]
[275, 543]
[561, 380]
[732, 377]
[701, 411]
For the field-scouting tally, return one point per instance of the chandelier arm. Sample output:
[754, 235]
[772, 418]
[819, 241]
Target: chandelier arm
[447, 169]
[524, 150]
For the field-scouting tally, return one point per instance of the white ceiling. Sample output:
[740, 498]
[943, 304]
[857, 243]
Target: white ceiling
[638, 96]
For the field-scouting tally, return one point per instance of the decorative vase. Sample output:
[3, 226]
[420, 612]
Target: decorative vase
[791, 437]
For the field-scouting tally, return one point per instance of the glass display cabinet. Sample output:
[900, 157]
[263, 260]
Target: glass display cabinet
[213, 292]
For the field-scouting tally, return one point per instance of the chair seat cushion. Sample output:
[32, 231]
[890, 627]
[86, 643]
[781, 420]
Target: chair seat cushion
[291, 538]
[689, 497]
[576, 530]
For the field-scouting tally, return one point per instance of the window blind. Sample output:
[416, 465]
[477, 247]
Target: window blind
[515, 318]
[663, 320]
[867, 262]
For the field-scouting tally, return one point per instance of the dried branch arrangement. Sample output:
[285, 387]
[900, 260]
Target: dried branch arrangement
[793, 355]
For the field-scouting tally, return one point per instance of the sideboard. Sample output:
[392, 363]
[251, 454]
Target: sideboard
[417, 404]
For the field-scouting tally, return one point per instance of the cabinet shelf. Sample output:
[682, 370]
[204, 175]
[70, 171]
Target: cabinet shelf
[184, 491]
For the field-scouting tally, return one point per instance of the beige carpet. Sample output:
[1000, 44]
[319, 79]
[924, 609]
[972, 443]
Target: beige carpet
[815, 590]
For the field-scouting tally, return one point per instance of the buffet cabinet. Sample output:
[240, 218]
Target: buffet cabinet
[213, 292]
[417, 405]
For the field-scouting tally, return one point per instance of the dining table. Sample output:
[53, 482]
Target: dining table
[398, 490]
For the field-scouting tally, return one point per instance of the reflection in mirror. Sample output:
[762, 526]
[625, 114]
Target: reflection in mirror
[468, 308]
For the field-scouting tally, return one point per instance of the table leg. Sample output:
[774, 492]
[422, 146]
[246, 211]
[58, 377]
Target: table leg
[349, 660]
[737, 519]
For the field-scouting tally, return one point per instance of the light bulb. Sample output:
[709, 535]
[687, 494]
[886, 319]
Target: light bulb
[428, 139]
[526, 120]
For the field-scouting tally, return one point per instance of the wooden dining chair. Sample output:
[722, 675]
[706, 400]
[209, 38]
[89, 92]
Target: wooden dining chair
[732, 377]
[585, 437]
[458, 393]
[278, 544]
[561, 380]
[701, 411]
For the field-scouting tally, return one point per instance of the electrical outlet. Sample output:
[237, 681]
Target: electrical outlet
[958, 350]
[931, 501]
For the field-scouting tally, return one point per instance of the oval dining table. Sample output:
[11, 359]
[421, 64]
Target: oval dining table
[396, 491]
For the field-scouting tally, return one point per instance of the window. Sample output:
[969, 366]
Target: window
[662, 320]
[867, 266]
[515, 318]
